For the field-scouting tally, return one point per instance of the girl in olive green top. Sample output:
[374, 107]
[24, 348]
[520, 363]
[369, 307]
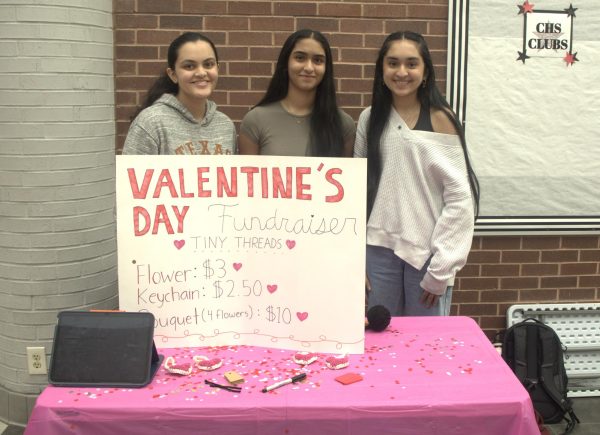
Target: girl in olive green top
[298, 116]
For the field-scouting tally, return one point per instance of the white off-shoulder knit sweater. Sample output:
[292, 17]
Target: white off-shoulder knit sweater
[424, 206]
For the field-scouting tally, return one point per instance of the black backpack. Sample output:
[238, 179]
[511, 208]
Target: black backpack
[535, 354]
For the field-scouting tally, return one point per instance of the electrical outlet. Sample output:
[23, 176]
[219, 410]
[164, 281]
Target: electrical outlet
[36, 360]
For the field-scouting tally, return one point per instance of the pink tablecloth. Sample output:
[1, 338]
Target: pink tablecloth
[422, 376]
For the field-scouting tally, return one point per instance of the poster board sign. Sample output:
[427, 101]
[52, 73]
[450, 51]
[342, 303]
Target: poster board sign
[257, 250]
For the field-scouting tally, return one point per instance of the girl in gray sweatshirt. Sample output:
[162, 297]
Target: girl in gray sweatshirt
[177, 116]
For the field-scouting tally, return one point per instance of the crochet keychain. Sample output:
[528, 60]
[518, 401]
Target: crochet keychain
[337, 362]
[207, 364]
[305, 358]
[177, 369]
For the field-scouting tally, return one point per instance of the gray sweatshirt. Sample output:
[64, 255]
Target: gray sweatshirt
[167, 127]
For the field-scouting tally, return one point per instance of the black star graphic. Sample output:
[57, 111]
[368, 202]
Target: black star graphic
[570, 11]
[522, 56]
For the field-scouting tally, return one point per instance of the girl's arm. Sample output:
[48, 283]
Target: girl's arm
[360, 142]
[235, 141]
[247, 145]
[139, 141]
[349, 146]
[453, 232]
[249, 137]
[441, 123]
[349, 133]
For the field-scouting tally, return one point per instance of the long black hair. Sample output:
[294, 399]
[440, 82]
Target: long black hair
[381, 105]
[164, 85]
[326, 136]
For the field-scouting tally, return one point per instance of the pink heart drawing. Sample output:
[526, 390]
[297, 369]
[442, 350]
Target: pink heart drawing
[179, 243]
[272, 288]
[302, 316]
[290, 243]
[237, 266]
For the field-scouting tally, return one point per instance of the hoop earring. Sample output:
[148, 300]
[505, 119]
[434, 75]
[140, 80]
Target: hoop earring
[424, 83]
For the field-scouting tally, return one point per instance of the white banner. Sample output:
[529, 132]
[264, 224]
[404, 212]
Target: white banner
[257, 250]
[531, 106]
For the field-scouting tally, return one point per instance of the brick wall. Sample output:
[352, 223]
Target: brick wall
[249, 34]
[501, 270]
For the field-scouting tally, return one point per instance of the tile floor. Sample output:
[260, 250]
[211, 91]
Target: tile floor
[588, 411]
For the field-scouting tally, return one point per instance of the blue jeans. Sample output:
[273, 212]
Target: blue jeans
[395, 284]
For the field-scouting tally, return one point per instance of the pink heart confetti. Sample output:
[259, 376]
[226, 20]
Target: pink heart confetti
[290, 244]
[237, 266]
[272, 288]
[179, 243]
[302, 316]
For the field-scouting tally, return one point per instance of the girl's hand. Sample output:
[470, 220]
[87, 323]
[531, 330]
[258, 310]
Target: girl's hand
[428, 299]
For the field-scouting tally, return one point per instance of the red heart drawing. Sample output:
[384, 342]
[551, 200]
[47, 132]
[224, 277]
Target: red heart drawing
[179, 243]
[302, 316]
[272, 288]
[290, 243]
[237, 266]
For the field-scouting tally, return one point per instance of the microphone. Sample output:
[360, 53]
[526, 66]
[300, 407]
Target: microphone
[378, 318]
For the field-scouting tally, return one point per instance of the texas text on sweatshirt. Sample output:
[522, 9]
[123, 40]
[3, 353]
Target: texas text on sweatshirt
[167, 127]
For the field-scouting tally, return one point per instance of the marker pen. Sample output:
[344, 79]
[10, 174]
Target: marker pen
[291, 380]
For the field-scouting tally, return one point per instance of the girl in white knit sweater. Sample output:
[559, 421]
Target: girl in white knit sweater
[422, 192]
